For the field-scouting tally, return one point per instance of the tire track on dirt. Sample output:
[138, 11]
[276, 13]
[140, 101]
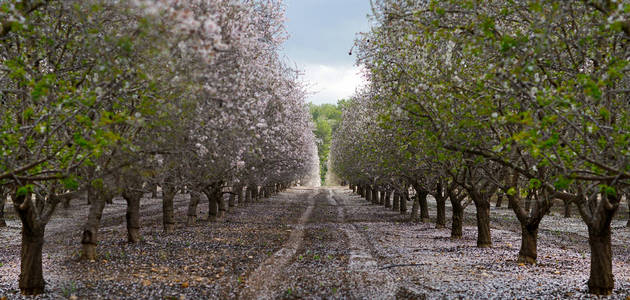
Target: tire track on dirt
[261, 281]
[362, 266]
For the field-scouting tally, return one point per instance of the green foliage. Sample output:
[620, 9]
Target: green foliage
[326, 118]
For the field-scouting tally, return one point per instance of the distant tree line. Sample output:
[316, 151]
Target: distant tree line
[326, 118]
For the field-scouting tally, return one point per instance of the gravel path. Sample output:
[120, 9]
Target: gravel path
[309, 243]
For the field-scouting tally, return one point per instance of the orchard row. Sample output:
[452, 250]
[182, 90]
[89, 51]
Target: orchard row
[527, 100]
[116, 97]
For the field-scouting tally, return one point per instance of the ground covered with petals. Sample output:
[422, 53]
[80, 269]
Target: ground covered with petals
[309, 243]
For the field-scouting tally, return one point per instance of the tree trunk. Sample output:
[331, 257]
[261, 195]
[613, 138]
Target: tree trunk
[499, 199]
[133, 215]
[483, 223]
[213, 204]
[3, 199]
[628, 201]
[66, 203]
[168, 215]
[239, 195]
[154, 191]
[458, 219]
[192, 208]
[221, 203]
[528, 202]
[387, 199]
[232, 200]
[415, 207]
[89, 240]
[601, 280]
[396, 204]
[424, 206]
[440, 221]
[529, 238]
[31, 273]
[375, 199]
[31, 280]
[368, 193]
[248, 195]
[403, 201]
[567, 209]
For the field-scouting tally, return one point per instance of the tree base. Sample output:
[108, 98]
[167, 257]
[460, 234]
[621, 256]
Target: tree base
[133, 235]
[169, 228]
[89, 252]
[31, 291]
[526, 260]
[484, 245]
[440, 226]
[190, 221]
[599, 291]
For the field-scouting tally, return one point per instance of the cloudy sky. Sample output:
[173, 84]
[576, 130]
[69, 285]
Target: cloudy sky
[321, 35]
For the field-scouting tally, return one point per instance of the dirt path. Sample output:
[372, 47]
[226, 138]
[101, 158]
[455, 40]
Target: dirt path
[259, 283]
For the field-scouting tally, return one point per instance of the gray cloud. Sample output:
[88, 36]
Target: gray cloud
[321, 34]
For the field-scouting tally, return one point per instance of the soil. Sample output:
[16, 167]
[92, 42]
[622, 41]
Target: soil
[308, 243]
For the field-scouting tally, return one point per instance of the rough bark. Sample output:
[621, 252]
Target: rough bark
[133, 214]
[499, 199]
[214, 203]
[31, 280]
[528, 202]
[89, 239]
[457, 220]
[239, 195]
[375, 199]
[396, 204]
[387, 199]
[567, 209]
[529, 237]
[529, 221]
[403, 201]
[168, 214]
[232, 200]
[440, 221]
[424, 206]
[248, 195]
[221, 203]
[415, 208]
[31, 274]
[3, 199]
[154, 191]
[601, 280]
[191, 213]
[483, 223]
